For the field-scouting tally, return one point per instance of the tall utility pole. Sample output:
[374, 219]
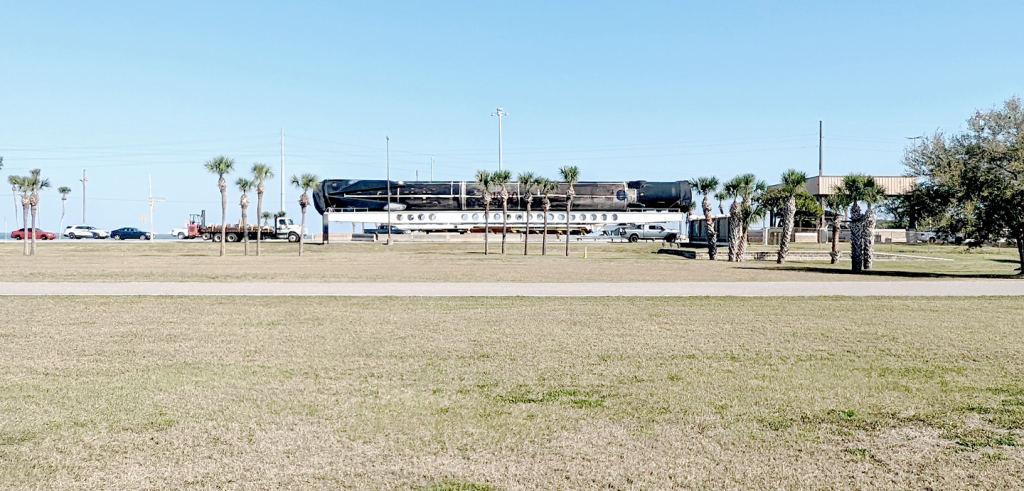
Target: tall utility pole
[387, 160]
[431, 168]
[821, 154]
[283, 178]
[500, 113]
[152, 227]
[84, 180]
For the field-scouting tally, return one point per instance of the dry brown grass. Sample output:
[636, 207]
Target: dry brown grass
[262, 393]
[349, 262]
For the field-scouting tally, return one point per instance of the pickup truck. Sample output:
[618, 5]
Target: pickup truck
[637, 233]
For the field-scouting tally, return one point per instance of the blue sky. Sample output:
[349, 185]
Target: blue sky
[624, 90]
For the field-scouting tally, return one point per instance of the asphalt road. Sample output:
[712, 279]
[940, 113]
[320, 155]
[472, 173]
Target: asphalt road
[939, 288]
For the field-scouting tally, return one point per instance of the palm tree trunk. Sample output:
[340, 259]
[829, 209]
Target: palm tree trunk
[504, 221]
[712, 235]
[526, 239]
[856, 239]
[568, 208]
[302, 230]
[544, 238]
[836, 230]
[14, 194]
[245, 227]
[734, 231]
[25, 205]
[787, 229]
[63, 210]
[223, 212]
[259, 216]
[487, 226]
[869, 239]
[35, 213]
[741, 249]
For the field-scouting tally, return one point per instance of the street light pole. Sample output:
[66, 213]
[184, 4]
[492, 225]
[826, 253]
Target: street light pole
[387, 159]
[152, 226]
[84, 180]
[500, 113]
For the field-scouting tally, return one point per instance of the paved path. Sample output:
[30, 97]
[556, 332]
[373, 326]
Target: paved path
[940, 288]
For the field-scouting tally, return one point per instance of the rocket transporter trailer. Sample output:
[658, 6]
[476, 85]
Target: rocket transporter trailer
[458, 206]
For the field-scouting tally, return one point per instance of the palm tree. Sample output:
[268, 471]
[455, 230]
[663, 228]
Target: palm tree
[873, 194]
[852, 191]
[545, 187]
[750, 190]
[36, 183]
[835, 206]
[20, 184]
[266, 216]
[730, 190]
[260, 173]
[501, 180]
[706, 186]
[485, 180]
[306, 183]
[64, 192]
[222, 165]
[570, 176]
[245, 185]
[793, 185]
[527, 183]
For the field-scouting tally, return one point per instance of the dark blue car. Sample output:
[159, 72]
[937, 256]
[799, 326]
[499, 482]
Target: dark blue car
[129, 233]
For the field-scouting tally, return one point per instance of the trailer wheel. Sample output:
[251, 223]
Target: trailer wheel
[231, 237]
[206, 236]
[634, 238]
[293, 237]
[216, 237]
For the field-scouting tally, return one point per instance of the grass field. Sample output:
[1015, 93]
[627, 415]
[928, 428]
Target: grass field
[248, 393]
[352, 262]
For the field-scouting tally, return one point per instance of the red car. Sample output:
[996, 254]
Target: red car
[40, 235]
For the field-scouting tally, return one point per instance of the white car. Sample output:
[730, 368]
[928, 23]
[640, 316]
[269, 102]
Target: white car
[84, 231]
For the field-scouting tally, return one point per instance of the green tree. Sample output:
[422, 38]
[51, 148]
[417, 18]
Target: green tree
[266, 216]
[707, 187]
[222, 166]
[245, 185]
[260, 173]
[854, 189]
[501, 179]
[64, 192]
[980, 173]
[793, 184]
[485, 180]
[528, 185]
[750, 191]
[570, 176]
[307, 182]
[730, 190]
[545, 187]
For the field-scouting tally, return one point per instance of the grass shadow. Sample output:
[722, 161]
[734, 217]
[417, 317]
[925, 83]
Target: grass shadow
[888, 274]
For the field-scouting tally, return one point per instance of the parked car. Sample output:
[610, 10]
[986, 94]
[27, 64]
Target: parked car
[383, 230]
[129, 233]
[40, 235]
[84, 231]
